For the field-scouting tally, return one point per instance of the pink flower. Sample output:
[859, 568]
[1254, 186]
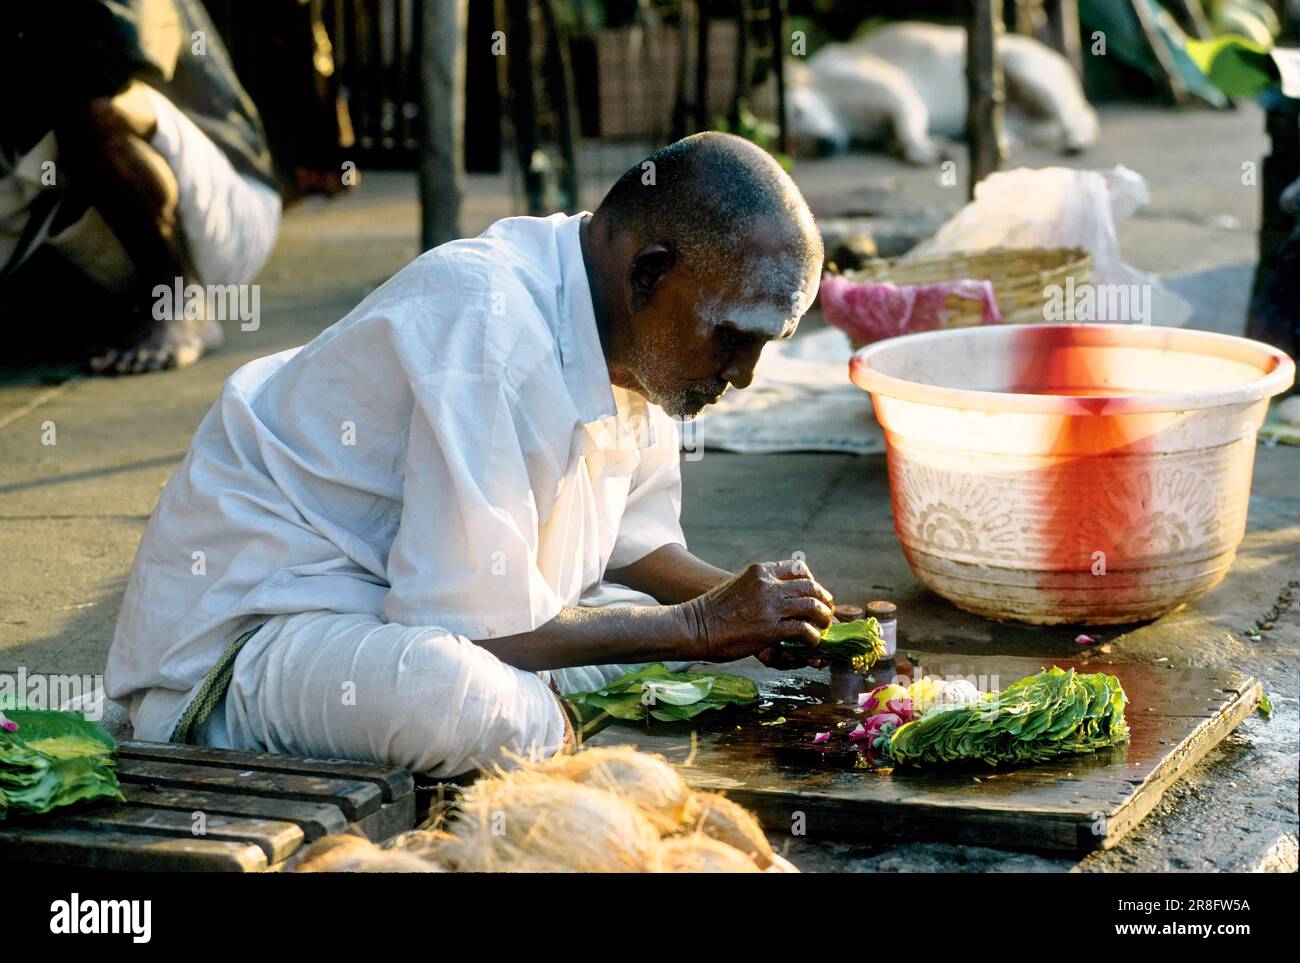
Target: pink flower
[858, 734]
[8, 725]
[879, 727]
[821, 737]
[901, 708]
[879, 698]
[1085, 640]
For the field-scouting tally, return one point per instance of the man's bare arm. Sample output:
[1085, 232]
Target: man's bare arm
[744, 615]
[670, 574]
[591, 636]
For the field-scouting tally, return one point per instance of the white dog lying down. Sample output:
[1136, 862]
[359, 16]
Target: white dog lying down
[906, 82]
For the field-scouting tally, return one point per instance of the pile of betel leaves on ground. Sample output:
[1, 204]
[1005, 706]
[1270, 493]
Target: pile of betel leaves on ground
[52, 759]
[1054, 713]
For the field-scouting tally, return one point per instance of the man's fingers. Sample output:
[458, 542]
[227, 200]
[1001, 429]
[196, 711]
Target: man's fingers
[812, 610]
[809, 588]
[779, 658]
[792, 568]
[805, 632]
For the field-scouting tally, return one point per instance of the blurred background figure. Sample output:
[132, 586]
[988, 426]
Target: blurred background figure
[132, 163]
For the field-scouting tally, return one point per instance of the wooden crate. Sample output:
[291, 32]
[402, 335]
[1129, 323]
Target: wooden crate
[214, 810]
[637, 78]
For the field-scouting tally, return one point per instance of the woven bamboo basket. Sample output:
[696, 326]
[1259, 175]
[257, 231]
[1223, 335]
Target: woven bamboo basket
[1019, 276]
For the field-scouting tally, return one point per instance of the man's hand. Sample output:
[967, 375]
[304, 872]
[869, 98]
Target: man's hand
[765, 604]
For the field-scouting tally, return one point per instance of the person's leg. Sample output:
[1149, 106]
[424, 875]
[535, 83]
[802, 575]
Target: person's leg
[105, 145]
[350, 686]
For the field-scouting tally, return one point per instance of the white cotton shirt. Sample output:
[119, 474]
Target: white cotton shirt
[450, 454]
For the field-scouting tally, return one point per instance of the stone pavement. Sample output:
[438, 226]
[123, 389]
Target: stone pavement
[71, 513]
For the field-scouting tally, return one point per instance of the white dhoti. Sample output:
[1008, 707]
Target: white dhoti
[354, 687]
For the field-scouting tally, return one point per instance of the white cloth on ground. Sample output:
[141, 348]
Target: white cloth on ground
[350, 686]
[801, 399]
[451, 454]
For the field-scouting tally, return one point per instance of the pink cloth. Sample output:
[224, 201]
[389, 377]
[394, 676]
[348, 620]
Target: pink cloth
[870, 311]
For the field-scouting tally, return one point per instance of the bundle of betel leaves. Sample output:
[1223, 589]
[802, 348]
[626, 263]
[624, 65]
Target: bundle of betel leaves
[52, 759]
[1042, 716]
[857, 644]
[668, 696]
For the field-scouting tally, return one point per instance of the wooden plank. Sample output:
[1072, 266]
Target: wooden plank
[1185, 755]
[100, 849]
[392, 782]
[391, 819]
[277, 840]
[315, 819]
[357, 799]
[1073, 803]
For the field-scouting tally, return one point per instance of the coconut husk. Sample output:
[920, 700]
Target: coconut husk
[354, 854]
[422, 843]
[697, 853]
[531, 822]
[647, 781]
[721, 819]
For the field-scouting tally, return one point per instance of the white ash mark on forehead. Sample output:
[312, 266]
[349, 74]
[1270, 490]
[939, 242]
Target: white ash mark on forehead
[773, 295]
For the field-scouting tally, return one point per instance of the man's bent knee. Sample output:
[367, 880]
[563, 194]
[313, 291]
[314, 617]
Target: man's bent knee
[420, 698]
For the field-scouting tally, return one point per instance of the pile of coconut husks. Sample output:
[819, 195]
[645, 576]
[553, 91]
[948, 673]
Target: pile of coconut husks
[597, 811]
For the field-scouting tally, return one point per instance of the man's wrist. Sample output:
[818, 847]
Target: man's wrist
[691, 630]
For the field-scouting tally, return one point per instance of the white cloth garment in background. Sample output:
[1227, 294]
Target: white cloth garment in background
[450, 457]
[229, 221]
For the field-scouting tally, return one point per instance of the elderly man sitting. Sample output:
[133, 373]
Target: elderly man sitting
[400, 541]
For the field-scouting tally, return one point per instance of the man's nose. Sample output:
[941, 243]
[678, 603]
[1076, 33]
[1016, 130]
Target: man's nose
[740, 372]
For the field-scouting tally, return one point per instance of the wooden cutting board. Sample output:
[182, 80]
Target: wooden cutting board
[1074, 803]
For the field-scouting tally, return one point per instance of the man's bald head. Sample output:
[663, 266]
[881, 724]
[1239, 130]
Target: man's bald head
[725, 207]
[698, 257]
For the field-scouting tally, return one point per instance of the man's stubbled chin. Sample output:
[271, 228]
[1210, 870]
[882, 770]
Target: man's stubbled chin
[688, 403]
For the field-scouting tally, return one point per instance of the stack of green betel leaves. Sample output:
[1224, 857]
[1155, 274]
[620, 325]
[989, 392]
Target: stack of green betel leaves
[1042, 716]
[654, 691]
[53, 759]
[857, 644]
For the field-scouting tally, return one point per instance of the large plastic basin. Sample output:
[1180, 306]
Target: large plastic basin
[1085, 473]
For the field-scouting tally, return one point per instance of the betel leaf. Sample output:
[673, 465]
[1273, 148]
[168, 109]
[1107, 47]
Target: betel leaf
[857, 643]
[676, 693]
[36, 725]
[639, 693]
[54, 759]
[1042, 716]
[1265, 706]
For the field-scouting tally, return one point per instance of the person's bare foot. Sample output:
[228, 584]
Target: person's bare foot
[157, 345]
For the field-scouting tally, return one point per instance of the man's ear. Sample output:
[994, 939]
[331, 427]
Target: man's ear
[649, 264]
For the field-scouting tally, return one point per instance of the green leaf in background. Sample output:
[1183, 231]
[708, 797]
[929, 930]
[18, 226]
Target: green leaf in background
[1053, 713]
[1237, 66]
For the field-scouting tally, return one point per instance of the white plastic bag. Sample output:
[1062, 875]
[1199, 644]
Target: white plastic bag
[1059, 207]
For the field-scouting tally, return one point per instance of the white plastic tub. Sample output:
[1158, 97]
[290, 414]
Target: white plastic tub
[1094, 473]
